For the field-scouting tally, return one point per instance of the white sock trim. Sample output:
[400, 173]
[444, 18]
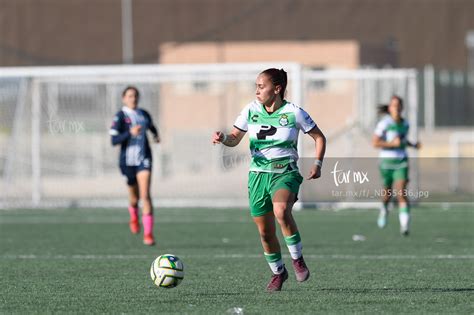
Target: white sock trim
[295, 250]
[277, 267]
[404, 220]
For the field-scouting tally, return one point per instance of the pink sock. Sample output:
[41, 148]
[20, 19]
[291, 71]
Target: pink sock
[147, 220]
[133, 213]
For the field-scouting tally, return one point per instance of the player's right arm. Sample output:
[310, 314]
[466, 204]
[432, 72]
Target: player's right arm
[120, 132]
[378, 138]
[237, 133]
[378, 142]
[230, 140]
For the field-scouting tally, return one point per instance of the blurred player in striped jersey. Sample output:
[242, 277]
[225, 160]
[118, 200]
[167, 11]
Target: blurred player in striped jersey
[128, 130]
[391, 137]
[273, 125]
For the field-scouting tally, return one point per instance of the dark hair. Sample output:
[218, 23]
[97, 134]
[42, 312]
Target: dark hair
[383, 108]
[398, 98]
[278, 77]
[131, 87]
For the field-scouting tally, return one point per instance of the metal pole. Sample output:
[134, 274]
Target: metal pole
[413, 107]
[429, 96]
[297, 95]
[36, 144]
[127, 32]
[470, 48]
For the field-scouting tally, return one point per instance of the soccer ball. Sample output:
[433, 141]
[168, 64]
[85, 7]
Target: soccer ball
[167, 271]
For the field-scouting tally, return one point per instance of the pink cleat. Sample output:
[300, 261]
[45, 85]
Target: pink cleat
[134, 226]
[148, 240]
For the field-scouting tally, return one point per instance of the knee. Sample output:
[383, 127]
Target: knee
[401, 195]
[281, 213]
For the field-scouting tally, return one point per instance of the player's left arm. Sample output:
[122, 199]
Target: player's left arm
[320, 150]
[415, 145]
[306, 124]
[152, 128]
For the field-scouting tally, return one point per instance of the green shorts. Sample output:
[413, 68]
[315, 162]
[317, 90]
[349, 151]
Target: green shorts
[393, 170]
[263, 185]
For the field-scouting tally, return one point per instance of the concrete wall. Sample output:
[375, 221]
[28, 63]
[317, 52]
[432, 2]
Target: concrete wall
[50, 32]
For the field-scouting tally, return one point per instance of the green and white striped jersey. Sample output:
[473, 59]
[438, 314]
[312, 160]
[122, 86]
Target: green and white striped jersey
[388, 129]
[273, 136]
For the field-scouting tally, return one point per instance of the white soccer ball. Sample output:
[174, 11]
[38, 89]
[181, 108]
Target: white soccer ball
[167, 271]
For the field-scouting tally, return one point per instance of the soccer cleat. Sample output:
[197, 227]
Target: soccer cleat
[276, 282]
[134, 226]
[301, 270]
[382, 220]
[148, 240]
[405, 232]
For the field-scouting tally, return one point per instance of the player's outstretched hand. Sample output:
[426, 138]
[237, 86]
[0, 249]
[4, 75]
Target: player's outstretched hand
[315, 172]
[217, 137]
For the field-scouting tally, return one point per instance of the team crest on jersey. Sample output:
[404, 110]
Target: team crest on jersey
[283, 120]
[254, 118]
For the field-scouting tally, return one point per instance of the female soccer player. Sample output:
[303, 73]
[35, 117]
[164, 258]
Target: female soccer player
[391, 137]
[273, 125]
[129, 130]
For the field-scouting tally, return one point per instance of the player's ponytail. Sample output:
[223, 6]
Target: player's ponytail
[278, 77]
[382, 109]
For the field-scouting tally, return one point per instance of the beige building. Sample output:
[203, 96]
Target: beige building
[325, 54]
[330, 103]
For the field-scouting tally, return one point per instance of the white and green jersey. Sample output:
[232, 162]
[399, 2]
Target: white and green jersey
[273, 136]
[388, 129]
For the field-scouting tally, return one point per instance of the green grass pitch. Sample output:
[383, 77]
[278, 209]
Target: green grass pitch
[86, 261]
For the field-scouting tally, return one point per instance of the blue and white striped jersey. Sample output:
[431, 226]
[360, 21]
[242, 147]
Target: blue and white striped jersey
[134, 149]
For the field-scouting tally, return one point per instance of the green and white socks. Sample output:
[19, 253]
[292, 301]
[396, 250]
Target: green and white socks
[382, 219]
[275, 260]
[404, 217]
[294, 245]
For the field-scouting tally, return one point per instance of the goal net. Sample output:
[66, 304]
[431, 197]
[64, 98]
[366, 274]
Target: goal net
[56, 150]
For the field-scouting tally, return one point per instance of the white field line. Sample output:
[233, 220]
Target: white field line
[236, 256]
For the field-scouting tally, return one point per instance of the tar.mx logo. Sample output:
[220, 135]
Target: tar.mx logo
[345, 177]
[65, 126]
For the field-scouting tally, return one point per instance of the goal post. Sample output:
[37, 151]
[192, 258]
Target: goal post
[56, 151]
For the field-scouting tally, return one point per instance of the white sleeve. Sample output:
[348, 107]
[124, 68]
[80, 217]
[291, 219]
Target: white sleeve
[380, 128]
[304, 121]
[241, 121]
